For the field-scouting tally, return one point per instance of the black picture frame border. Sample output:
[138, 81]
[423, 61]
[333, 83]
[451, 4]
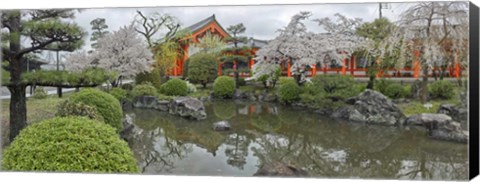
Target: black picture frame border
[473, 82]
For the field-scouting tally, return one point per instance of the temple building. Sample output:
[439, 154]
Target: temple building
[353, 66]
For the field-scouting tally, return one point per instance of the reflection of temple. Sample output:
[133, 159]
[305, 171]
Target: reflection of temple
[352, 66]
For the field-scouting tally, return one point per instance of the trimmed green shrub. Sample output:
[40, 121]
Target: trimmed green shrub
[145, 89]
[174, 87]
[289, 91]
[69, 108]
[381, 85]
[118, 93]
[191, 87]
[284, 79]
[153, 77]
[39, 93]
[69, 144]
[396, 91]
[333, 83]
[107, 105]
[224, 86]
[442, 89]
[202, 69]
[164, 97]
[307, 98]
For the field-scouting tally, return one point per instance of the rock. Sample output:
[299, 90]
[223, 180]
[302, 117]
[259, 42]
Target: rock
[239, 95]
[127, 105]
[324, 111]
[280, 169]
[128, 128]
[162, 105]
[426, 119]
[458, 114]
[221, 126]
[370, 107]
[145, 102]
[440, 126]
[188, 107]
[270, 97]
[251, 96]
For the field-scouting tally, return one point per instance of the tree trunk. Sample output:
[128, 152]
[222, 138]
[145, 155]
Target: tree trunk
[204, 85]
[59, 92]
[18, 110]
[371, 82]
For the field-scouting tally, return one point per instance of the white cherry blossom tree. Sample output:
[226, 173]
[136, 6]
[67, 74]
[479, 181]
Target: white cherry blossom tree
[122, 51]
[437, 30]
[305, 48]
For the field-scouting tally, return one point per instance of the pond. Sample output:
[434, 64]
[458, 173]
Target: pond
[265, 132]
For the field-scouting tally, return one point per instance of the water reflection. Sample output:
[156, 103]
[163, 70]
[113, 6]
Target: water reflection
[265, 133]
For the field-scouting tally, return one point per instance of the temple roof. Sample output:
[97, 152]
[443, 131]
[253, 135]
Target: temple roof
[199, 25]
[256, 43]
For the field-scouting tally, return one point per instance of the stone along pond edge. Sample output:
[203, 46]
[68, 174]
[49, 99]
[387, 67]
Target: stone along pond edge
[369, 107]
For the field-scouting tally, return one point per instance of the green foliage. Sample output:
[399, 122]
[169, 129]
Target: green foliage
[69, 144]
[396, 91]
[164, 97]
[174, 87]
[418, 108]
[381, 85]
[307, 98]
[127, 86]
[191, 87]
[107, 105]
[333, 83]
[39, 93]
[202, 68]
[273, 78]
[442, 89]
[118, 93]
[224, 86]
[145, 89]
[242, 82]
[282, 80]
[92, 76]
[5, 76]
[289, 91]
[69, 108]
[377, 30]
[154, 77]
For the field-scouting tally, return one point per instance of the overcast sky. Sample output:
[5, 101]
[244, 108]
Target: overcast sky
[261, 22]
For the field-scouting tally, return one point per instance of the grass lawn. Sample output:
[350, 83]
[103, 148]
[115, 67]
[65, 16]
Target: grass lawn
[37, 110]
[416, 107]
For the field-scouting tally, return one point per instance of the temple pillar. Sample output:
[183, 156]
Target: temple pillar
[416, 64]
[344, 66]
[352, 65]
[289, 71]
[314, 70]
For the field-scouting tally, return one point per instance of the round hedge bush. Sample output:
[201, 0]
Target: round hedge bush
[442, 89]
[145, 89]
[395, 91]
[174, 87]
[69, 108]
[107, 105]
[69, 144]
[224, 86]
[289, 91]
[118, 93]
